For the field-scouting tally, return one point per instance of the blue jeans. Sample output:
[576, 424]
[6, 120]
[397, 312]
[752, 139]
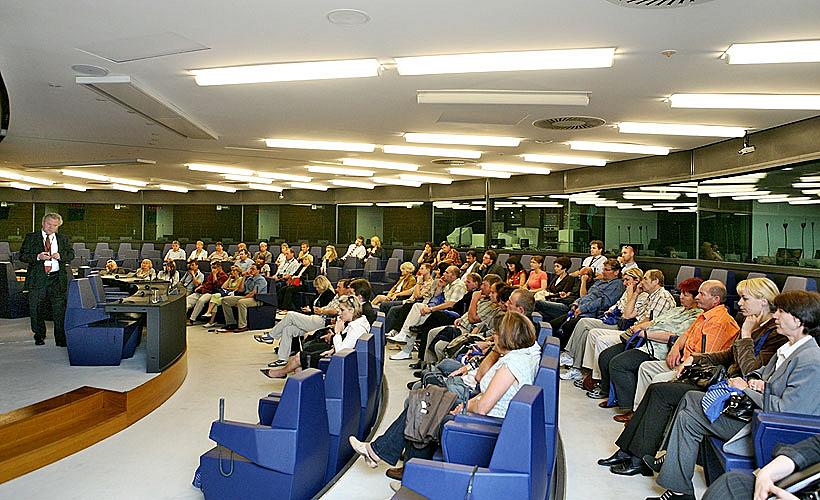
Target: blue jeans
[390, 445]
[550, 310]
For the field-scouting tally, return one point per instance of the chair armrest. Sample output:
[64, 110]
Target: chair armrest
[355, 273]
[445, 481]
[267, 298]
[271, 448]
[324, 364]
[376, 276]
[468, 443]
[475, 418]
[771, 429]
[268, 407]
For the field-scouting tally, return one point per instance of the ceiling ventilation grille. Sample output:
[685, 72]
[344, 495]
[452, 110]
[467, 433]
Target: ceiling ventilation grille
[569, 123]
[657, 4]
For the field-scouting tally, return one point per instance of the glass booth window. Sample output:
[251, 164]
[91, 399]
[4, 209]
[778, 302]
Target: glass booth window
[462, 223]
[528, 223]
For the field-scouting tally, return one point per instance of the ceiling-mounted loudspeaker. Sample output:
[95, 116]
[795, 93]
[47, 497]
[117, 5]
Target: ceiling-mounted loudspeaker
[569, 123]
[452, 162]
[657, 4]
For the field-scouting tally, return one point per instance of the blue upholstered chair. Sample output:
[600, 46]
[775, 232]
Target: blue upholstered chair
[544, 332]
[368, 383]
[343, 412]
[284, 460]
[377, 330]
[517, 469]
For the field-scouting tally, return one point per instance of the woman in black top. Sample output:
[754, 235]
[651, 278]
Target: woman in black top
[324, 294]
[375, 249]
[298, 283]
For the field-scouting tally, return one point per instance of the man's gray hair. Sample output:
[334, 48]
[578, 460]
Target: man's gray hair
[54, 216]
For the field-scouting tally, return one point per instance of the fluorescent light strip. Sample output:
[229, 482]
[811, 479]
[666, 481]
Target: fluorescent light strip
[395, 182]
[640, 195]
[265, 187]
[680, 129]
[75, 187]
[804, 202]
[811, 191]
[674, 204]
[218, 169]
[422, 151]
[746, 101]
[773, 52]
[506, 61]
[318, 169]
[124, 187]
[810, 178]
[781, 199]
[564, 160]
[737, 179]
[247, 178]
[561, 196]
[426, 179]
[806, 185]
[739, 193]
[503, 97]
[288, 72]
[387, 165]
[476, 172]
[171, 187]
[541, 204]
[355, 204]
[85, 175]
[405, 204]
[718, 188]
[614, 147]
[467, 140]
[218, 187]
[514, 169]
[352, 184]
[26, 178]
[127, 182]
[320, 145]
[670, 189]
[20, 185]
[284, 177]
[311, 186]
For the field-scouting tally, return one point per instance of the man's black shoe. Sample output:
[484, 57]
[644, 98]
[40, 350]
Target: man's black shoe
[654, 463]
[39, 342]
[617, 458]
[61, 344]
[417, 373]
[671, 495]
[412, 383]
[415, 366]
[629, 468]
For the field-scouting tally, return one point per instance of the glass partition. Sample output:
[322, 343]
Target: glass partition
[15, 222]
[528, 223]
[462, 223]
[91, 222]
[397, 224]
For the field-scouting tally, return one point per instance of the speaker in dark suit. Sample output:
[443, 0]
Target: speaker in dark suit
[48, 255]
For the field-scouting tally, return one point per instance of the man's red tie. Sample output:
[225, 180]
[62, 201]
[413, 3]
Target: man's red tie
[48, 250]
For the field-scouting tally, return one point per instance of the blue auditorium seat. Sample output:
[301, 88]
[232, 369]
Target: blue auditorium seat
[264, 316]
[544, 332]
[517, 469]
[343, 412]
[102, 293]
[377, 329]
[285, 460]
[800, 283]
[368, 384]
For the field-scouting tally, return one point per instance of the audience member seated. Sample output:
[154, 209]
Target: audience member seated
[243, 261]
[350, 325]
[396, 313]
[710, 251]
[329, 259]
[489, 265]
[297, 324]
[219, 254]
[202, 294]
[627, 258]
[361, 289]
[788, 459]
[356, 249]
[402, 289]
[562, 291]
[375, 249]
[516, 275]
[593, 302]
[264, 267]
[451, 288]
[594, 263]
[175, 253]
[199, 253]
[234, 284]
[538, 279]
[241, 247]
[787, 384]
[297, 283]
[471, 263]
[146, 270]
[446, 256]
[263, 254]
[169, 273]
[192, 278]
[428, 256]
[304, 249]
[111, 268]
[255, 284]
[284, 248]
[287, 269]
[758, 342]
[512, 363]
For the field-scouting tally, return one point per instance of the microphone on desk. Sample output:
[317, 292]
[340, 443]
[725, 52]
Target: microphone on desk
[221, 409]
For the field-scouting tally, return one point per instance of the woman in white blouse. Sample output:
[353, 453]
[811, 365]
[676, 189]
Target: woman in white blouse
[169, 272]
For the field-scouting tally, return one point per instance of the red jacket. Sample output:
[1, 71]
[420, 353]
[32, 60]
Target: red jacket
[211, 284]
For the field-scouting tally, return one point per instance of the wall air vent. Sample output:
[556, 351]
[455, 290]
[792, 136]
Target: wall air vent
[569, 123]
[657, 4]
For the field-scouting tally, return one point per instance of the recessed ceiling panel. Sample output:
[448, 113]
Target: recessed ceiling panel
[142, 47]
[490, 116]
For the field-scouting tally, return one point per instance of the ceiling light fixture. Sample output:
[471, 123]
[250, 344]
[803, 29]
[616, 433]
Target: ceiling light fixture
[219, 187]
[720, 188]
[395, 182]
[403, 204]
[171, 187]
[320, 169]
[515, 169]
[641, 195]
[75, 187]
[357, 147]
[680, 129]
[284, 177]
[265, 187]
[426, 179]
[387, 165]
[746, 101]
[615, 147]
[809, 178]
[506, 61]
[542, 204]
[218, 169]
[85, 175]
[124, 187]
[306, 185]
[127, 182]
[476, 172]
[804, 202]
[564, 160]
[20, 185]
[423, 151]
[503, 97]
[773, 52]
[352, 184]
[806, 185]
[467, 140]
[8, 174]
[674, 189]
[737, 179]
[247, 178]
[287, 72]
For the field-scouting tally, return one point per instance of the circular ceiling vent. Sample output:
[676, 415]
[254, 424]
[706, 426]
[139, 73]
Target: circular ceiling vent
[569, 123]
[453, 162]
[88, 69]
[348, 17]
[657, 4]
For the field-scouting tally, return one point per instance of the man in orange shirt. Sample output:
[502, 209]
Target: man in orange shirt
[713, 330]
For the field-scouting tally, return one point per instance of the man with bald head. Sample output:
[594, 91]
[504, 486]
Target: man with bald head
[713, 330]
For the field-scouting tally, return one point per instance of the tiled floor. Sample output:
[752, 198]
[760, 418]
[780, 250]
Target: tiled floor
[155, 458]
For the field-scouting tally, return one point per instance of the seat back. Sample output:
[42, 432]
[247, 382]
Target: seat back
[351, 263]
[392, 266]
[147, 247]
[78, 246]
[800, 283]
[96, 282]
[317, 253]
[502, 259]
[724, 276]
[5, 249]
[81, 307]
[544, 332]
[102, 245]
[398, 253]
[547, 378]
[342, 402]
[416, 255]
[756, 275]
[521, 445]
[549, 262]
[576, 264]
[190, 247]
[123, 246]
[551, 346]
[377, 330]
[686, 272]
[365, 354]
[525, 262]
[371, 264]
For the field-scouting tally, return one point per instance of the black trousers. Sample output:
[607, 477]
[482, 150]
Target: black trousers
[284, 296]
[311, 352]
[434, 320]
[562, 328]
[38, 299]
[394, 319]
[644, 434]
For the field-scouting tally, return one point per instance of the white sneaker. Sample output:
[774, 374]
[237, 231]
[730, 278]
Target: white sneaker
[391, 334]
[395, 485]
[399, 337]
[566, 359]
[570, 374]
[400, 356]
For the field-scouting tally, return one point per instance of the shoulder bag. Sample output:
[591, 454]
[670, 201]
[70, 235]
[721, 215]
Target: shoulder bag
[427, 408]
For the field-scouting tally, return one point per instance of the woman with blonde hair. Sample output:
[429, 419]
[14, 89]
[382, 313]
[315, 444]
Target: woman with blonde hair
[402, 288]
[146, 270]
[375, 249]
[329, 259]
[234, 283]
